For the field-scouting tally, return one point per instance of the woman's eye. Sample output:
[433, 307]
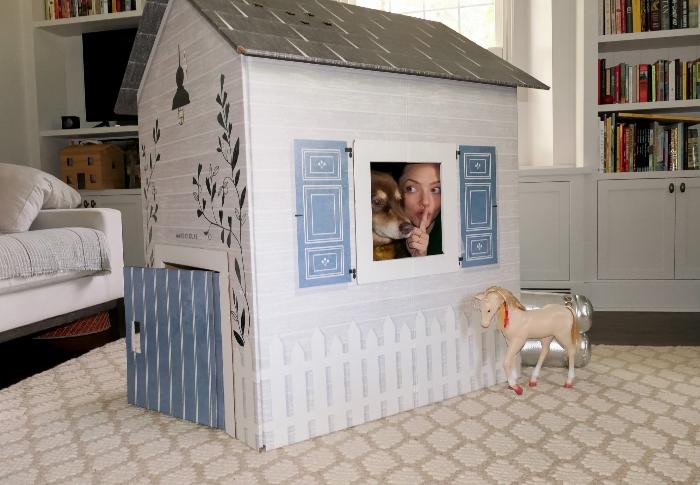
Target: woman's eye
[435, 190]
[409, 189]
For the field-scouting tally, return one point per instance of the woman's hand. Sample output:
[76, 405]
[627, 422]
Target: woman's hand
[417, 242]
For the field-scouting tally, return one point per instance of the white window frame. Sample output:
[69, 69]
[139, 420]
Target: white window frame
[366, 152]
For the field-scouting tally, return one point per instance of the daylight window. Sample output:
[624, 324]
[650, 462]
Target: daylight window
[477, 20]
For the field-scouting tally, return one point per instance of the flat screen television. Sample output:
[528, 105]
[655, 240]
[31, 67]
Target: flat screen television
[105, 57]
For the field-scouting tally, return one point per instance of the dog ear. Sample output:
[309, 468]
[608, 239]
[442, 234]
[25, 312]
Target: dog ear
[480, 296]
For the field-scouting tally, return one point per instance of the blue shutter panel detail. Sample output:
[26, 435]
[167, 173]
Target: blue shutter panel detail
[322, 212]
[176, 367]
[478, 205]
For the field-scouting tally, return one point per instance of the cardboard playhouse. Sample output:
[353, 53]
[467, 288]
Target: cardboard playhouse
[263, 311]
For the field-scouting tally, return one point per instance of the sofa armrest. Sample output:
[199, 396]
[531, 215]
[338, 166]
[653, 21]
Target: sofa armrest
[108, 221]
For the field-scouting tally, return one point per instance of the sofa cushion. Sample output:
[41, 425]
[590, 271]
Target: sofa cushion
[24, 191]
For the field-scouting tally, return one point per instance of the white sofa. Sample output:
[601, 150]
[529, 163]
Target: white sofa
[52, 303]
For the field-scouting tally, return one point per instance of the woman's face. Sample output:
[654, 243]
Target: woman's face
[420, 189]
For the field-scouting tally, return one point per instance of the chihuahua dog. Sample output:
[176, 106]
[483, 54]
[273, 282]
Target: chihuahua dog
[389, 222]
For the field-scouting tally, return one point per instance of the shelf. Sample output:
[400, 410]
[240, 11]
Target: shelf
[659, 174]
[130, 131]
[90, 23]
[685, 105]
[648, 40]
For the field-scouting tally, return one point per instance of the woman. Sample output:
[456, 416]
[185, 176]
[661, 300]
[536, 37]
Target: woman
[420, 189]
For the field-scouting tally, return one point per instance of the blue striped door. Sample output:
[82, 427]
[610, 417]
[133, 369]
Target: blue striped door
[478, 205]
[322, 212]
[176, 365]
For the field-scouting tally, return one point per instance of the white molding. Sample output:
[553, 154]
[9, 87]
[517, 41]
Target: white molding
[368, 151]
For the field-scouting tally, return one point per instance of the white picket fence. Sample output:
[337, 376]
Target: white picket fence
[318, 385]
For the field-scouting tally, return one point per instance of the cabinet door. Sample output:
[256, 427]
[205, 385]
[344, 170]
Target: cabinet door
[687, 228]
[132, 224]
[636, 220]
[544, 231]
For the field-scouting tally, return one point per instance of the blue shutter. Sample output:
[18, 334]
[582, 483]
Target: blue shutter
[176, 368]
[322, 212]
[478, 205]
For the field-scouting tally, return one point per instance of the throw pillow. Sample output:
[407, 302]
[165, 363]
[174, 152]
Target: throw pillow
[24, 191]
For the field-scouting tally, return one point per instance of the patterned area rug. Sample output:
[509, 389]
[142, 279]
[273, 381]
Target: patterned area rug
[633, 417]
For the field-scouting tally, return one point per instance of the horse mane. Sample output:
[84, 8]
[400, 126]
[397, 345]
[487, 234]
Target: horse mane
[509, 298]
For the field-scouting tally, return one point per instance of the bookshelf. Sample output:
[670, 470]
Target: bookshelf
[55, 72]
[644, 226]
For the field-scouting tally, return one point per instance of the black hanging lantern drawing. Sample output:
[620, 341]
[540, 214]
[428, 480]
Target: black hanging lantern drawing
[182, 97]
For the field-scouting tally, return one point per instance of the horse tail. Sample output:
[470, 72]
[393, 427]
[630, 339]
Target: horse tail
[574, 325]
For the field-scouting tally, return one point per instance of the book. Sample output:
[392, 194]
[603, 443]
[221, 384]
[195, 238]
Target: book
[665, 14]
[636, 15]
[692, 13]
[693, 147]
[655, 15]
[50, 10]
[683, 13]
[643, 83]
[675, 23]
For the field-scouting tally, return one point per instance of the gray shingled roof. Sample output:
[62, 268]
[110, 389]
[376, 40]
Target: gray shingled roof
[327, 32]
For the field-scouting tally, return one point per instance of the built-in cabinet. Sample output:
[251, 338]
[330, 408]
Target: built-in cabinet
[128, 202]
[545, 212]
[649, 228]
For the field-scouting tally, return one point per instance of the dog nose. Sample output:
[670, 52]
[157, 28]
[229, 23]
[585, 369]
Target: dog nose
[405, 228]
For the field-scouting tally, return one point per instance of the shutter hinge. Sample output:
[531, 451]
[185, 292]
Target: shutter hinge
[457, 154]
[348, 150]
[353, 272]
[460, 261]
[298, 215]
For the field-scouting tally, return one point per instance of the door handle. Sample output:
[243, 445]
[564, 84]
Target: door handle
[92, 204]
[671, 187]
[683, 187]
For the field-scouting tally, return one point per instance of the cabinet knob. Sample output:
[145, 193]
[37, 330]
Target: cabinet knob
[682, 186]
[92, 204]
[85, 204]
[671, 187]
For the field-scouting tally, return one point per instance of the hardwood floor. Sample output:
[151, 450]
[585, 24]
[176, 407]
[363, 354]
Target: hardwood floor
[645, 328]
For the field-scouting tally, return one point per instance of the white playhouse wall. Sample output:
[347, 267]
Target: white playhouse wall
[340, 355]
[168, 182]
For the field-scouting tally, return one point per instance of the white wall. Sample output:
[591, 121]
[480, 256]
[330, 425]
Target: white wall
[544, 45]
[13, 139]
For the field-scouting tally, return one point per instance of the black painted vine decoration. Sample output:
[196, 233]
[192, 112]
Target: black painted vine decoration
[214, 188]
[149, 189]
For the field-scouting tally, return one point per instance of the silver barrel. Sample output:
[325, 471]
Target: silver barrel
[557, 355]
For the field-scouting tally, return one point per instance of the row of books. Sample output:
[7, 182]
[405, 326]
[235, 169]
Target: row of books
[643, 145]
[61, 9]
[662, 81]
[624, 16]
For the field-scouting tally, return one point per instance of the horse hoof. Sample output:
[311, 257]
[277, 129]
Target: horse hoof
[532, 383]
[569, 385]
[517, 389]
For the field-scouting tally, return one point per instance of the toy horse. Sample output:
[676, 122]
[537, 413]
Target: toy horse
[518, 324]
